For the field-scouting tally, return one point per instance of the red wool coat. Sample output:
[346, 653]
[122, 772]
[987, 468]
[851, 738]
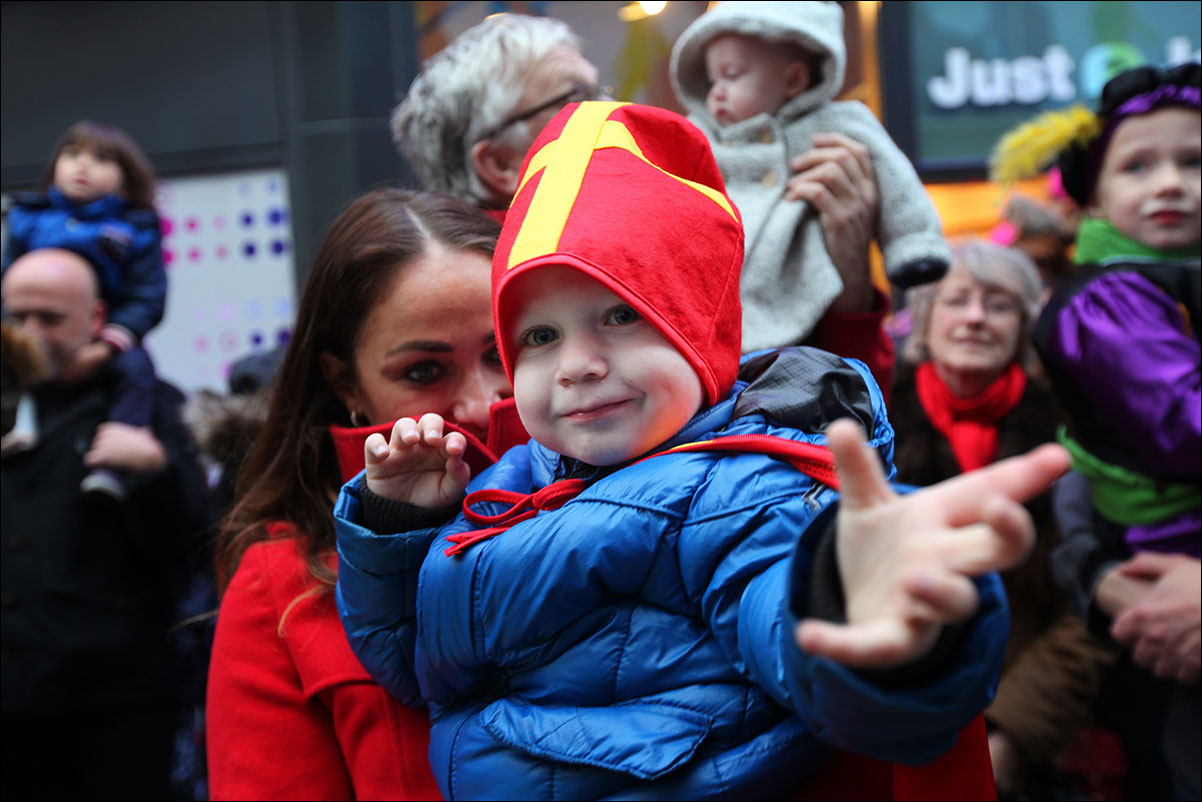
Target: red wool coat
[297, 717]
[293, 715]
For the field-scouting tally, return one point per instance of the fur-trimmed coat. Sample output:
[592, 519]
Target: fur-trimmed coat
[1053, 667]
[225, 428]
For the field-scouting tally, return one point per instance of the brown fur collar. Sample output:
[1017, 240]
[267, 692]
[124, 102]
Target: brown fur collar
[225, 426]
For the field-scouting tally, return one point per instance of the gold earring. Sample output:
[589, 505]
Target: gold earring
[357, 420]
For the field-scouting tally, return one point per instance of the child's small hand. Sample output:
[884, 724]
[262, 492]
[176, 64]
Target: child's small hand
[131, 448]
[905, 561]
[420, 464]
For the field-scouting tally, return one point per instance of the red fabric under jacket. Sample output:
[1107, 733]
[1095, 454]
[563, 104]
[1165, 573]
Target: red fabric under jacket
[862, 336]
[297, 717]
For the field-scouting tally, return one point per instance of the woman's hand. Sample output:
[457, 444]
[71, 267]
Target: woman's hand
[905, 561]
[419, 464]
[837, 179]
[1116, 591]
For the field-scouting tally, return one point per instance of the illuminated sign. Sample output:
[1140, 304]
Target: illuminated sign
[958, 75]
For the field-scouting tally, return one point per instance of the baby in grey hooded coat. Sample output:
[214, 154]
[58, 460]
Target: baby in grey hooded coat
[758, 78]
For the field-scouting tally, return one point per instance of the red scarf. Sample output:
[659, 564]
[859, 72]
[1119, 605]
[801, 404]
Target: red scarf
[505, 430]
[969, 424]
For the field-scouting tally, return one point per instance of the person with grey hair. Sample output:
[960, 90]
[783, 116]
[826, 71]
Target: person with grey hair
[470, 116]
[1014, 281]
[478, 104]
[965, 398]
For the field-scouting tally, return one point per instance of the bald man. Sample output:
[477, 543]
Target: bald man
[87, 587]
[54, 295]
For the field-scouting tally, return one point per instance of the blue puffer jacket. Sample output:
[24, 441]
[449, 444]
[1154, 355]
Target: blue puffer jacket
[636, 642]
[122, 244]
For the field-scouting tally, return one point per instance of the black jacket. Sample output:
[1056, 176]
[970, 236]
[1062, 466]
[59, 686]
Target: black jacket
[88, 589]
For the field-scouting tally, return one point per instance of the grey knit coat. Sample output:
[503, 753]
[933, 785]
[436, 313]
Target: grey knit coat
[788, 278]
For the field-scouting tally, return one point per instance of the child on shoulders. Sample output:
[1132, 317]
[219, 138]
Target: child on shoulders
[1120, 343]
[98, 201]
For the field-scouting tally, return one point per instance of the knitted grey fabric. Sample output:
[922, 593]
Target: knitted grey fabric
[788, 278]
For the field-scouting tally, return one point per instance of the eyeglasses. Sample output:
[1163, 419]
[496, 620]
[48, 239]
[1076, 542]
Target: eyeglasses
[577, 94]
[994, 304]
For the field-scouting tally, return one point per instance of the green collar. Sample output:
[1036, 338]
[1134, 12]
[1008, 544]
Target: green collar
[1099, 241]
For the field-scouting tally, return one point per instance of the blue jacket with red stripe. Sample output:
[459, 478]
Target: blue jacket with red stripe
[638, 641]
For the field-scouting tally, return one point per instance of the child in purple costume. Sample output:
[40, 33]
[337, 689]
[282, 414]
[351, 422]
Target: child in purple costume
[1121, 346]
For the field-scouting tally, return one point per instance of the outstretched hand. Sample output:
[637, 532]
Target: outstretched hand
[420, 464]
[906, 561]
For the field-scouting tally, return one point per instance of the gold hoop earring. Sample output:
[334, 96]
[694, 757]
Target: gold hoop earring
[357, 420]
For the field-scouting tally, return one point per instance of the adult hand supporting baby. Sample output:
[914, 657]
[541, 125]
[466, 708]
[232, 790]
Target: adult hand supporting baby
[905, 561]
[837, 179]
[1163, 629]
[420, 464]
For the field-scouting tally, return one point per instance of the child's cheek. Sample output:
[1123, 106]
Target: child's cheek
[531, 402]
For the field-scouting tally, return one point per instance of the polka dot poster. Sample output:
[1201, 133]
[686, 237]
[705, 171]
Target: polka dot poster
[227, 244]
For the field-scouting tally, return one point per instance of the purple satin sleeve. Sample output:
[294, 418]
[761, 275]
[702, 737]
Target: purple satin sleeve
[1124, 341]
[1175, 536]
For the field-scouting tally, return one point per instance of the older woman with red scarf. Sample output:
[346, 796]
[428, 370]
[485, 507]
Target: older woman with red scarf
[963, 399]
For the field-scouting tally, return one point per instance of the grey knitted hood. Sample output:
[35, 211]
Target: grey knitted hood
[817, 26]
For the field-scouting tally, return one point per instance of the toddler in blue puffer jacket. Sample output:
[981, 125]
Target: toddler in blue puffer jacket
[612, 612]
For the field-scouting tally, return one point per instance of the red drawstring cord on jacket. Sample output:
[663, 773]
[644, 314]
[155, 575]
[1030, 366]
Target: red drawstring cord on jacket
[814, 461]
[523, 506]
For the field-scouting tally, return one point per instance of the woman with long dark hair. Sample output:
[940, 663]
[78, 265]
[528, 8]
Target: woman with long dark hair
[394, 320]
